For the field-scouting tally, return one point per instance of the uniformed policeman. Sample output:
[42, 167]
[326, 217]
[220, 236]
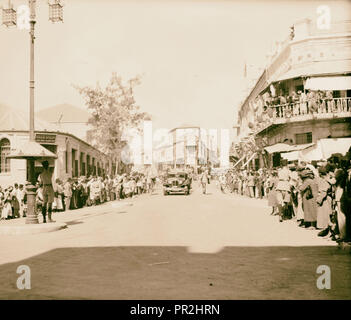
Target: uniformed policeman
[48, 191]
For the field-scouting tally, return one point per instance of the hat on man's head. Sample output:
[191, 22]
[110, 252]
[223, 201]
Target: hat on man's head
[300, 168]
[303, 163]
[330, 167]
[322, 171]
[307, 173]
[45, 163]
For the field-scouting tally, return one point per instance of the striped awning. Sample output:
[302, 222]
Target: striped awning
[252, 156]
[242, 158]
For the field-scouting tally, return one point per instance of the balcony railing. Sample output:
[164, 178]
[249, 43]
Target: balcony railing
[300, 111]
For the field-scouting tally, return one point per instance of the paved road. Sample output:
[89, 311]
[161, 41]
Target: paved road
[213, 246]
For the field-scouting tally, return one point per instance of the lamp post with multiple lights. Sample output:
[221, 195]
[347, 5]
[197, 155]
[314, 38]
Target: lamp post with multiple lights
[36, 152]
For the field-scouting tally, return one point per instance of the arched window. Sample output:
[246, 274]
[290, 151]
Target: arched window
[4, 152]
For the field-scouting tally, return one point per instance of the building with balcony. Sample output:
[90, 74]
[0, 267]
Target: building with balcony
[302, 96]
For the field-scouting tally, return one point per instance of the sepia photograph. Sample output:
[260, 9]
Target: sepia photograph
[186, 151]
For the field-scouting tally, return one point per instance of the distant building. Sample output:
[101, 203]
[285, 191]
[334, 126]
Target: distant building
[75, 156]
[186, 146]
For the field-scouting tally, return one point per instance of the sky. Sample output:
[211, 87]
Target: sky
[190, 54]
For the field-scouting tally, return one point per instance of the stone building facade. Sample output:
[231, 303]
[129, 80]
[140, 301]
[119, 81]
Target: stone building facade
[310, 60]
[75, 157]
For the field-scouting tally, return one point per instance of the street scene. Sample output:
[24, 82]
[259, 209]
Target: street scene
[177, 248]
[170, 150]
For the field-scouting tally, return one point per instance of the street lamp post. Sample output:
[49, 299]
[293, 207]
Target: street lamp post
[32, 151]
[31, 188]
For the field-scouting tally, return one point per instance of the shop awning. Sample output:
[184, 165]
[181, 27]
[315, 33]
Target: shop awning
[325, 148]
[328, 83]
[31, 150]
[291, 156]
[284, 147]
[322, 150]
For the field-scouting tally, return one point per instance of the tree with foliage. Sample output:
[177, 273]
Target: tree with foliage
[114, 110]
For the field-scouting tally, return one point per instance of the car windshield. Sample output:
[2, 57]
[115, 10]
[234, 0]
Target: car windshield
[177, 175]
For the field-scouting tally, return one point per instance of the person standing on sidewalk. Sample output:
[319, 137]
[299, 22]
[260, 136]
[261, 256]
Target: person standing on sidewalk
[222, 182]
[204, 181]
[251, 184]
[272, 193]
[324, 200]
[283, 191]
[48, 191]
[309, 193]
[20, 196]
[67, 192]
[15, 203]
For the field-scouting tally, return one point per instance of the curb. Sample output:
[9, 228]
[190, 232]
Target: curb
[47, 227]
[32, 228]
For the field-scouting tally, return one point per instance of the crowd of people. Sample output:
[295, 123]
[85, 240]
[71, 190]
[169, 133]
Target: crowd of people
[317, 197]
[75, 193]
[270, 105]
[87, 191]
[13, 200]
[301, 102]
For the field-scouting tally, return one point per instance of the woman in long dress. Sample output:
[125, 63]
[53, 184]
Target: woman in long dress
[300, 216]
[309, 193]
[272, 194]
[15, 203]
[6, 212]
[324, 200]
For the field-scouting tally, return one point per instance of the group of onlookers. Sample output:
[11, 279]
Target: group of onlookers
[75, 193]
[317, 197]
[13, 202]
[267, 107]
[246, 183]
[303, 103]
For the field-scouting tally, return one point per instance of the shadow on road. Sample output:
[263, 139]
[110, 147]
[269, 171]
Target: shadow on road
[73, 222]
[174, 273]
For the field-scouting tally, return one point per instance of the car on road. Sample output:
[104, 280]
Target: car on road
[176, 182]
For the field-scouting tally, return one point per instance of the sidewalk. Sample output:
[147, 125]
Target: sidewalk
[62, 219]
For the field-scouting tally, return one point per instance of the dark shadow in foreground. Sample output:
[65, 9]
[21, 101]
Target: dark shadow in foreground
[174, 273]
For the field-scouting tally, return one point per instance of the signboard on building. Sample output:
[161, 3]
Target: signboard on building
[45, 138]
